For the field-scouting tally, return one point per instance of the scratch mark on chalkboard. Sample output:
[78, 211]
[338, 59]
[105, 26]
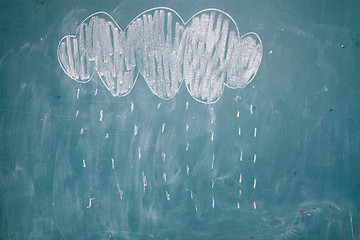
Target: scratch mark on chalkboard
[213, 202]
[302, 215]
[238, 114]
[81, 131]
[239, 131]
[96, 92]
[131, 107]
[290, 230]
[254, 158]
[254, 205]
[254, 182]
[212, 183]
[191, 194]
[255, 131]
[78, 93]
[187, 146]
[90, 201]
[186, 127]
[77, 113]
[163, 155]
[84, 164]
[187, 105]
[325, 88]
[241, 156]
[212, 136]
[164, 176]
[352, 228]
[251, 109]
[206, 52]
[101, 115]
[34, 113]
[238, 205]
[139, 151]
[187, 169]
[240, 178]
[167, 196]
[112, 163]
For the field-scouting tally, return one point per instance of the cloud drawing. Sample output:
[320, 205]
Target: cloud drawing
[206, 52]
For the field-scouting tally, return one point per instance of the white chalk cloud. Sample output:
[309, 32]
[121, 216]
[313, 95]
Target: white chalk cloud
[206, 52]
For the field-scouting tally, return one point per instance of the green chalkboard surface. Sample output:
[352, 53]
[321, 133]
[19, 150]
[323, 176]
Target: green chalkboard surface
[231, 119]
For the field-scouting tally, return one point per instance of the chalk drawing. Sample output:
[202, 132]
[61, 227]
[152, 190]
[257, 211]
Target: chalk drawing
[120, 191]
[135, 130]
[163, 128]
[213, 160]
[144, 180]
[90, 201]
[206, 52]
[101, 115]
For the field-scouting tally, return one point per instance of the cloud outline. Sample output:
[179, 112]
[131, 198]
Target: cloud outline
[137, 70]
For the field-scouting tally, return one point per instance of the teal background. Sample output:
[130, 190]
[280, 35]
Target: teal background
[306, 111]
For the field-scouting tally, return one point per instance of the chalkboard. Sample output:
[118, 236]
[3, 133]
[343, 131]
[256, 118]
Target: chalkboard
[180, 119]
